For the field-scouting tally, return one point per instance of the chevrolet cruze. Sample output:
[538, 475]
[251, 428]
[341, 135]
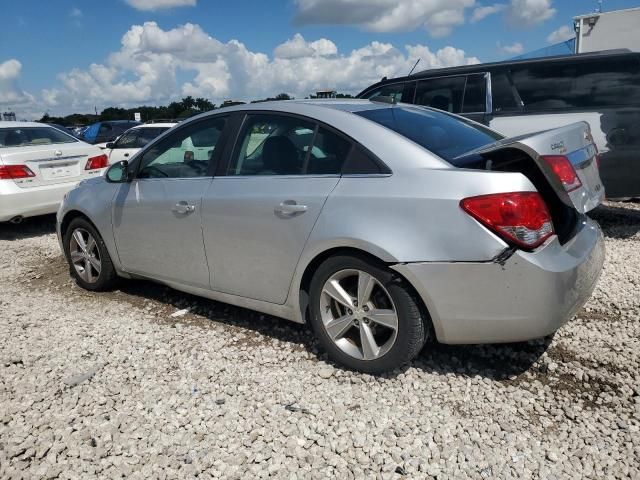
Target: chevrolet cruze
[384, 225]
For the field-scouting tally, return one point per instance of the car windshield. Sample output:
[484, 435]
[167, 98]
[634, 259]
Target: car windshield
[443, 134]
[30, 136]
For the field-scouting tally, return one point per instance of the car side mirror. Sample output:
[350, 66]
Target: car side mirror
[119, 172]
[110, 145]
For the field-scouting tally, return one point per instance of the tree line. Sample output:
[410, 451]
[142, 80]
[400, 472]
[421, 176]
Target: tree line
[185, 108]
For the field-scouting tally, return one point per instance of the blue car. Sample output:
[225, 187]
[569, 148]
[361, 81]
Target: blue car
[108, 131]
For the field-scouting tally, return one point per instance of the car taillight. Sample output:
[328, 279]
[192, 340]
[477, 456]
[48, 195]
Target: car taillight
[520, 218]
[15, 172]
[563, 169]
[100, 161]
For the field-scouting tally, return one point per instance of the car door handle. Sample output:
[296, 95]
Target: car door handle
[290, 207]
[182, 208]
[126, 154]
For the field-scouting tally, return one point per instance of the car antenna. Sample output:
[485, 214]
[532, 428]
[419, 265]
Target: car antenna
[414, 67]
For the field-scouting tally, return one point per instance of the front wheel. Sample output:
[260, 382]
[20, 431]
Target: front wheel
[365, 316]
[89, 261]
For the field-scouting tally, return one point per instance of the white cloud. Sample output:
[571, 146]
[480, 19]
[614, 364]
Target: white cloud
[562, 34]
[439, 17]
[480, 13]
[529, 13]
[513, 49]
[12, 97]
[146, 69]
[298, 47]
[151, 5]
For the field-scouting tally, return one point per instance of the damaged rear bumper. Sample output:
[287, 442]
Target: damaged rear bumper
[525, 296]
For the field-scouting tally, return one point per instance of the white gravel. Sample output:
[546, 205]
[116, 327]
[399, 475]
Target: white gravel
[111, 385]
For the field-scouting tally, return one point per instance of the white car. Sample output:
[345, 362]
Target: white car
[39, 164]
[133, 140]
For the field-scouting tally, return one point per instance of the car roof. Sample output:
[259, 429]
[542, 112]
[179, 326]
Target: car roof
[154, 125]
[310, 107]
[4, 124]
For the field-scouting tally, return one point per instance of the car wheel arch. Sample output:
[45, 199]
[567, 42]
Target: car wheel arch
[69, 217]
[312, 266]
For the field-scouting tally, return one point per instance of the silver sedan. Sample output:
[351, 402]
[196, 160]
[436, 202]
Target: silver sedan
[383, 225]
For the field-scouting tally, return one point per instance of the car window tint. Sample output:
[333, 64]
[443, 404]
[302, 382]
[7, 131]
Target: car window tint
[272, 144]
[586, 84]
[441, 93]
[475, 94]
[445, 135]
[28, 136]
[502, 95]
[179, 156]
[361, 163]
[128, 140]
[328, 154]
[145, 135]
[394, 91]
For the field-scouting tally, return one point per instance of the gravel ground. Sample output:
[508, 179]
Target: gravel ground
[111, 385]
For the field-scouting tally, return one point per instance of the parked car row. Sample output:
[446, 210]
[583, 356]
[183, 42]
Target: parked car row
[40, 163]
[382, 225]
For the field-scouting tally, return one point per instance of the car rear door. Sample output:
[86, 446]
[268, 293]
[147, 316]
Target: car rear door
[51, 157]
[258, 214]
[157, 220]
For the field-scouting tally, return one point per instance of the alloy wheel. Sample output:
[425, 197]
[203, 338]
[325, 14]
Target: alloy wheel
[358, 314]
[85, 255]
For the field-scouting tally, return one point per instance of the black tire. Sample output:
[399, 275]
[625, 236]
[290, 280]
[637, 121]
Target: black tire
[413, 321]
[107, 277]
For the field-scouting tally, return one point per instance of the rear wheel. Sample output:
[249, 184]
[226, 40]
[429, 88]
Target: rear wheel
[365, 316]
[89, 260]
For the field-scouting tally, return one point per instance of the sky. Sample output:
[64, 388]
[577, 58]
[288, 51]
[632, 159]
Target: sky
[64, 56]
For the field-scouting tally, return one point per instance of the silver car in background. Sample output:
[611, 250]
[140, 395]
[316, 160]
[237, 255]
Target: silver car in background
[383, 225]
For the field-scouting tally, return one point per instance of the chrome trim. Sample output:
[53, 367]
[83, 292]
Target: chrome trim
[489, 94]
[57, 159]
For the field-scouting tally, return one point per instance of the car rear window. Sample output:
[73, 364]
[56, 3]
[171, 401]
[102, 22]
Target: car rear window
[30, 136]
[445, 135]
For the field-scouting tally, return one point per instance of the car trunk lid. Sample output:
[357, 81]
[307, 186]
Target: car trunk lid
[573, 143]
[50, 164]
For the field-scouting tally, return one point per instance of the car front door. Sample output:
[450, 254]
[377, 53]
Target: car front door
[157, 217]
[258, 215]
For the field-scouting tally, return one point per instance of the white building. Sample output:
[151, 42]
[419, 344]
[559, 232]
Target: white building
[608, 30]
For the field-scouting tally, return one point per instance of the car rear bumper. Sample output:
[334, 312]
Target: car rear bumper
[28, 202]
[529, 295]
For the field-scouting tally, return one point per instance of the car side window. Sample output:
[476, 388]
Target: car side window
[502, 93]
[475, 94]
[360, 162]
[584, 84]
[272, 144]
[442, 93]
[128, 140]
[394, 91]
[184, 154]
[328, 154]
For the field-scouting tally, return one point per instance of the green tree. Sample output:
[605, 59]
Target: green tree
[204, 105]
[188, 103]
